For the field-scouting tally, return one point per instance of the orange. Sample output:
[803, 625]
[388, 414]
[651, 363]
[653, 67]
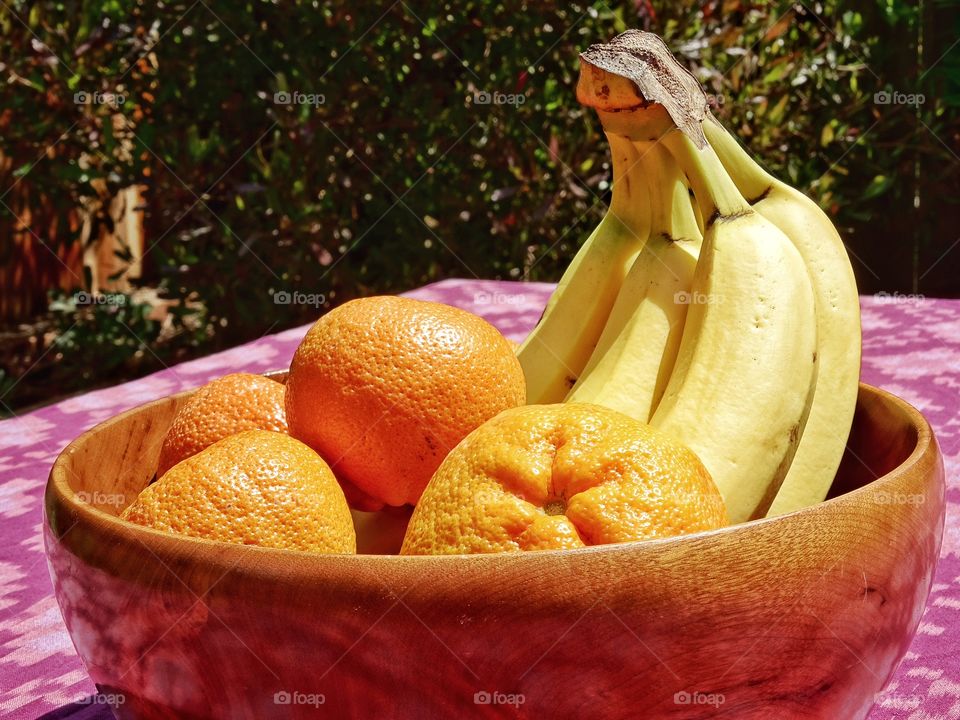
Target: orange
[222, 407]
[546, 477]
[384, 387]
[253, 488]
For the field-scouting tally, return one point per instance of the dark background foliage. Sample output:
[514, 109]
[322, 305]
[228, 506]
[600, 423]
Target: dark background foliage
[392, 172]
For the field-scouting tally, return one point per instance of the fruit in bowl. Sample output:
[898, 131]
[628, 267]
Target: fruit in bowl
[730, 321]
[801, 615]
[568, 475]
[385, 387]
[223, 407]
[254, 488]
[650, 464]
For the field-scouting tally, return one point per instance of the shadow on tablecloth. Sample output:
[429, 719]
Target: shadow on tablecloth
[88, 710]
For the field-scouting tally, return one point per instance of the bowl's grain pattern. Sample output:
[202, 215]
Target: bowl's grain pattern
[803, 616]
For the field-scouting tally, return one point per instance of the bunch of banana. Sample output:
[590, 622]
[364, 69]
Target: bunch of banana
[742, 343]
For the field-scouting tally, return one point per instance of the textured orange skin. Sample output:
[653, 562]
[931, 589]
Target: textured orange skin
[253, 488]
[223, 407]
[384, 387]
[568, 475]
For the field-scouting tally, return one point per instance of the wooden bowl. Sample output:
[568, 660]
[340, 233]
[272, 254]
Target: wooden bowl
[801, 616]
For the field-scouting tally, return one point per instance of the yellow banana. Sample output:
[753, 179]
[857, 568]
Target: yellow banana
[740, 389]
[838, 320]
[741, 386]
[556, 351]
[631, 364]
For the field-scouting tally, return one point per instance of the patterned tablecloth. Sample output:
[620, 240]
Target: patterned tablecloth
[911, 348]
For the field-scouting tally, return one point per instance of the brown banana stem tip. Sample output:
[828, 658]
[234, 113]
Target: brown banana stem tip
[644, 60]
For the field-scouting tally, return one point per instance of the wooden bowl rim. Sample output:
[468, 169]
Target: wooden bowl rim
[250, 557]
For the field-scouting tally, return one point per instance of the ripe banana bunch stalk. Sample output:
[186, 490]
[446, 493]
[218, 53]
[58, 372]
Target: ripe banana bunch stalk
[731, 321]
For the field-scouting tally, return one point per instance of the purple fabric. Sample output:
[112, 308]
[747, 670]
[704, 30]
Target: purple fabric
[911, 348]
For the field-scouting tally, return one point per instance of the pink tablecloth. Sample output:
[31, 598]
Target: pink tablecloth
[911, 348]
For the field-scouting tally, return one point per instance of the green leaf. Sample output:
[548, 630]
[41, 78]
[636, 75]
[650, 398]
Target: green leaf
[879, 185]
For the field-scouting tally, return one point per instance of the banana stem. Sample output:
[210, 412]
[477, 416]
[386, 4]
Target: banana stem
[659, 185]
[715, 191]
[671, 209]
[684, 223]
[754, 182]
[629, 203]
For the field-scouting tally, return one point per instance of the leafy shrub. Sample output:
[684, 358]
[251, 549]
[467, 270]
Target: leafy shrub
[340, 149]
